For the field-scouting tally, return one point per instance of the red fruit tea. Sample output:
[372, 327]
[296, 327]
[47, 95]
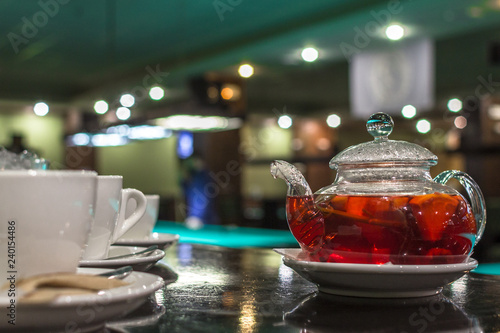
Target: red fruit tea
[424, 229]
[306, 222]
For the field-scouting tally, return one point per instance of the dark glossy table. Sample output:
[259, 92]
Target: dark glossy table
[217, 289]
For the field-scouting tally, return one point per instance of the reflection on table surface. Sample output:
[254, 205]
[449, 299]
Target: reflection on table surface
[217, 289]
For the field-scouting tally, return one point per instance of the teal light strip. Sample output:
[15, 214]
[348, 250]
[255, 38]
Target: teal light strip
[488, 268]
[229, 236]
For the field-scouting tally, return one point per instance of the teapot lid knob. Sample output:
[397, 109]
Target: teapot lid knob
[383, 150]
[380, 125]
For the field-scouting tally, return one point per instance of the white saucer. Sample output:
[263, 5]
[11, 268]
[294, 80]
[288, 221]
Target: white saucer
[369, 280]
[137, 321]
[139, 263]
[82, 313]
[162, 240]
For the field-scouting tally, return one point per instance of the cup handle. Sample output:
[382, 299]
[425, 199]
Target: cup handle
[476, 197]
[124, 224]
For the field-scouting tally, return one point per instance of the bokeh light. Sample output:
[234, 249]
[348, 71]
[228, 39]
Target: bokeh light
[81, 139]
[423, 126]
[409, 111]
[454, 105]
[127, 100]
[395, 32]
[156, 93]
[309, 54]
[101, 107]
[460, 122]
[227, 93]
[41, 109]
[245, 70]
[285, 122]
[123, 113]
[333, 120]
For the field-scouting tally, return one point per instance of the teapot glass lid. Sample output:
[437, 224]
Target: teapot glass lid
[381, 149]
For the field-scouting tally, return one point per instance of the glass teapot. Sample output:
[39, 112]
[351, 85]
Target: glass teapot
[384, 207]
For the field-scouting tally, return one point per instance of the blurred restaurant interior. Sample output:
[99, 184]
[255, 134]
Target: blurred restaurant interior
[158, 91]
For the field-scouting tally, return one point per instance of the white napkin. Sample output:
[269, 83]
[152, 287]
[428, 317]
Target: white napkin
[47, 287]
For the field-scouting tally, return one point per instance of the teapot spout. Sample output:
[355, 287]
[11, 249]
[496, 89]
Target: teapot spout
[297, 184]
[304, 219]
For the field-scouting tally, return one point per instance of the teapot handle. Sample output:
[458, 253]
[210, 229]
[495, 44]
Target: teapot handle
[475, 195]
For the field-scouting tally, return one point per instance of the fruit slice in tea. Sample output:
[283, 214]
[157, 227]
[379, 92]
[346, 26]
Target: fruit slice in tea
[433, 213]
[444, 230]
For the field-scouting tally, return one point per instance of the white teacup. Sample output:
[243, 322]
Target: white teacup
[111, 222]
[143, 228]
[45, 220]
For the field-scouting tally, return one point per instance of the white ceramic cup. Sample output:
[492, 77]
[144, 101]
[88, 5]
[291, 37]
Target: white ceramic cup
[142, 230]
[110, 218]
[45, 220]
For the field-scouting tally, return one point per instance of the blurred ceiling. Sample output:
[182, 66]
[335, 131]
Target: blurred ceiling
[72, 52]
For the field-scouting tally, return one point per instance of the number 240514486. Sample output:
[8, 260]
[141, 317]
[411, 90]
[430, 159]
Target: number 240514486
[11, 244]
